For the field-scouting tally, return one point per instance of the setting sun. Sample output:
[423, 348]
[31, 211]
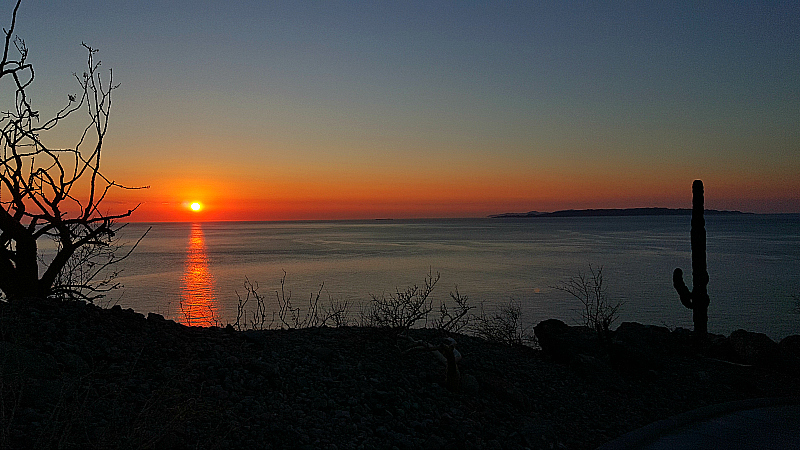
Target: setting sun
[196, 206]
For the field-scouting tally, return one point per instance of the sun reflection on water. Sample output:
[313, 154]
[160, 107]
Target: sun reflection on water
[198, 303]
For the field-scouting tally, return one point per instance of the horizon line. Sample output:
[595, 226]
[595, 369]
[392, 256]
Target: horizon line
[391, 219]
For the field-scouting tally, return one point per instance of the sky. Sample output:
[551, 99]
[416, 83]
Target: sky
[357, 110]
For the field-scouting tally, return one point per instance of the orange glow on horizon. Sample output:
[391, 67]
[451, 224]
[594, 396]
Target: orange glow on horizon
[341, 198]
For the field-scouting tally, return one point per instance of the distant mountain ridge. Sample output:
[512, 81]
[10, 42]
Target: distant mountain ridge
[611, 212]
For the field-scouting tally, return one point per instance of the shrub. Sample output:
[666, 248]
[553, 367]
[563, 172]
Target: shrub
[335, 313]
[455, 320]
[258, 319]
[598, 312]
[504, 326]
[401, 310]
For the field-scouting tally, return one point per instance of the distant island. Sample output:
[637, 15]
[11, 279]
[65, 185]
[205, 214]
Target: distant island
[617, 212]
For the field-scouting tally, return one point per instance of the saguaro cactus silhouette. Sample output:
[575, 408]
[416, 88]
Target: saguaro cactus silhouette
[697, 299]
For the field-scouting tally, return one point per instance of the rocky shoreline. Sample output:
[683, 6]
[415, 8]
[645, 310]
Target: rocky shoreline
[78, 376]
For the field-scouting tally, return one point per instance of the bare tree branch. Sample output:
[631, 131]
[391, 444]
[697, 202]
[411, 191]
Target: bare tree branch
[55, 193]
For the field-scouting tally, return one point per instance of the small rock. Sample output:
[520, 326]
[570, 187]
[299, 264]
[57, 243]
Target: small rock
[469, 384]
[322, 354]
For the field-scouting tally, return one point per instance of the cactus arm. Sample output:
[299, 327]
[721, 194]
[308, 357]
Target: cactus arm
[683, 291]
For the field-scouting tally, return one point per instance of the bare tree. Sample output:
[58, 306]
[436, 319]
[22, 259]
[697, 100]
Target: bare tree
[54, 193]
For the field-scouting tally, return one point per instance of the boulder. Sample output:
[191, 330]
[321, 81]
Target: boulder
[718, 346]
[563, 342]
[255, 336]
[755, 348]
[649, 336]
[636, 346]
[155, 317]
[791, 345]
[683, 338]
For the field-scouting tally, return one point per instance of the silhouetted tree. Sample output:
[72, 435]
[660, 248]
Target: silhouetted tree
[697, 299]
[53, 193]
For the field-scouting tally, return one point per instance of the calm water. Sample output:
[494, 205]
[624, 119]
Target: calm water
[187, 271]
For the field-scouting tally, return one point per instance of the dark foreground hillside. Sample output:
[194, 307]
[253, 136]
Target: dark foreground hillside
[77, 376]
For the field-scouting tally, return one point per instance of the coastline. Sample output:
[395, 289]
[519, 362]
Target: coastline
[615, 212]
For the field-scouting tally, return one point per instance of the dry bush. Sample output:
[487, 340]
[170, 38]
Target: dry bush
[335, 313]
[401, 310]
[455, 320]
[259, 317]
[292, 317]
[598, 312]
[503, 326]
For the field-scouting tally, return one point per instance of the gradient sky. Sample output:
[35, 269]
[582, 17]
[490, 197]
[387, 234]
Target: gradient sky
[334, 110]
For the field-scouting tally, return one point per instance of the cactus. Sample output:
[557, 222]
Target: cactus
[697, 299]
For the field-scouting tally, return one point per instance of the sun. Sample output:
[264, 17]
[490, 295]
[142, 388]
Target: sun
[195, 206]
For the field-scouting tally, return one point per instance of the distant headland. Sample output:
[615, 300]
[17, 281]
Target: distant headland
[611, 212]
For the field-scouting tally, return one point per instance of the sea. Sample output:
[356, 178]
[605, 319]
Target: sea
[196, 273]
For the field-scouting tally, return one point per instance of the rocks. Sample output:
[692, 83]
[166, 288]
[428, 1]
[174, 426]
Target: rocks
[590, 366]
[19, 360]
[791, 345]
[719, 347]
[563, 342]
[111, 378]
[634, 347]
[758, 349]
[256, 337]
[469, 384]
[323, 354]
[755, 348]
[156, 317]
[637, 347]
[647, 336]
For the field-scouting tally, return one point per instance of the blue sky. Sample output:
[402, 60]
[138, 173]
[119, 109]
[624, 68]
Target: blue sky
[437, 108]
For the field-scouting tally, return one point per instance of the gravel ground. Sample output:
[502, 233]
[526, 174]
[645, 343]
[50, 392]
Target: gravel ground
[76, 376]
